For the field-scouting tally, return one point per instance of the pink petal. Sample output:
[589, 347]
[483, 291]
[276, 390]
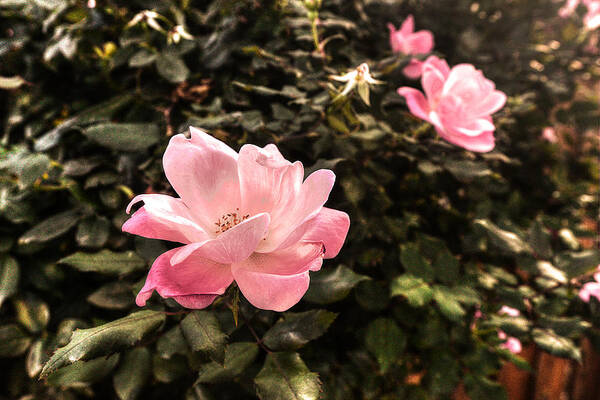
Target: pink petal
[435, 72]
[513, 345]
[316, 264]
[420, 42]
[512, 312]
[414, 69]
[163, 217]
[203, 171]
[196, 301]
[306, 205]
[477, 127]
[290, 261]
[329, 227]
[417, 104]
[269, 291]
[492, 103]
[196, 276]
[233, 245]
[590, 289]
[482, 143]
[408, 26]
[268, 182]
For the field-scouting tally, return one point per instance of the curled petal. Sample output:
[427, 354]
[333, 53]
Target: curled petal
[420, 42]
[329, 227]
[196, 301]
[163, 217]
[290, 261]
[408, 26]
[414, 69]
[196, 276]
[417, 104]
[482, 143]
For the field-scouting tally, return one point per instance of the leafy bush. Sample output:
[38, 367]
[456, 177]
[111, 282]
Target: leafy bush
[90, 100]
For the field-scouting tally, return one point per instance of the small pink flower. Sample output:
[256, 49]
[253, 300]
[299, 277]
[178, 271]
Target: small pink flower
[407, 41]
[549, 134]
[458, 102]
[511, 344]
[512, 312]
[247, 217]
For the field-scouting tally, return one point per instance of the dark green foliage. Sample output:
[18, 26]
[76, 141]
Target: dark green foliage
[88, 105]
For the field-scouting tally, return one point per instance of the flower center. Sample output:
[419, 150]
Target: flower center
[229, 220]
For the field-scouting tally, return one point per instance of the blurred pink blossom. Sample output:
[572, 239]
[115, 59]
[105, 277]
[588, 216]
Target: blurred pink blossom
[247, 217]
[512, 312]
[549, 134]
[406, 41]
[592, 288]
[458, 102]
[592, 17]
[511, 344]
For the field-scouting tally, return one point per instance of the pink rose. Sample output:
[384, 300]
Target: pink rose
[511, 344]
[459, 103]
[407, 41]
[512, 312]
[247, 217]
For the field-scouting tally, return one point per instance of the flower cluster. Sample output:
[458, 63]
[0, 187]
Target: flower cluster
[591, 289]
[247, 217]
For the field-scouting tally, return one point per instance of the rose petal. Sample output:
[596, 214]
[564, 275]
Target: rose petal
[233, 245]
[203, 171]
[290, 261]
[408, 26]
[482, 143]
[414, 69]
[329, 227]
[307, 204]
[196, 276]
[196, 301]
[417, 104]
[271, 292]
[163, 217]
[420, 42]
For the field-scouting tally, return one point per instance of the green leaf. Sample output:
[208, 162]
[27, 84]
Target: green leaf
[93, 232]
[33, 167]
[114, 296]
[284, 376]
[13, 341]
[203, 333]
[575, 264]
[83, 372]
[172, 342]
[51, 228]
[32, 313]
[238, 356]
[142, 58]
[539, 238]
[36, 358]
[506, 241]
[105, 262]
[167, 370]
[414, 263]
[556, 345]
[86, 344]
[172, 68]
[467, 170]
[124, 137]
[297, 329]
[416, 290]
[446, 267]
[9, 277]
[448, 303]
[331, 285]
[11, 82]
[133, 373]
[385, 341]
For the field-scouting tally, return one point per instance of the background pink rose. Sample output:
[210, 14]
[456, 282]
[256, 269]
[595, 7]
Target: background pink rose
[458, 102]
[406, 41]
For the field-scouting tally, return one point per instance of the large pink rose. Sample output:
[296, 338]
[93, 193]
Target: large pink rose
[248, 217]
[406, 41]
[458, 102]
